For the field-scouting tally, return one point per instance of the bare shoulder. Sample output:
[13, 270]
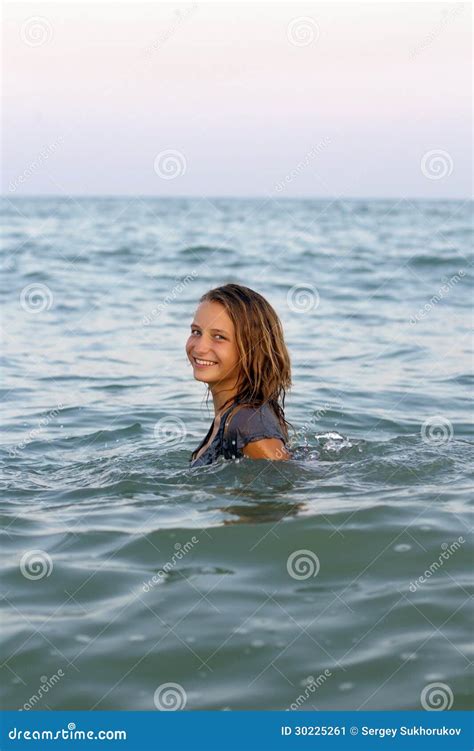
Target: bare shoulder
[267, 448]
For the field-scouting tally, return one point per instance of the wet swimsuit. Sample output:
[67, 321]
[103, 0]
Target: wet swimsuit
[246, 425]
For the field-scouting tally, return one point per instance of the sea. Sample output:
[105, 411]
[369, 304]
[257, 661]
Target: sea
[338, 580]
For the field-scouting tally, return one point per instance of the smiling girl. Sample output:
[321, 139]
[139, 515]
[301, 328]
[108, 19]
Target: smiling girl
[236, 347]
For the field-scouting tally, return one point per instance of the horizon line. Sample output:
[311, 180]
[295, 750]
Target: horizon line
[238, 197]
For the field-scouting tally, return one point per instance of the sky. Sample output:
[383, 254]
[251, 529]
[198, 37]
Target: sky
[237, 99]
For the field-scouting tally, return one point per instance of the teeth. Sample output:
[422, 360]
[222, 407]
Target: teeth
[204, 362]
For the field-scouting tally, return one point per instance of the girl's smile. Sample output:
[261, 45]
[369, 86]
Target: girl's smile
[203, 363]
[212, 351]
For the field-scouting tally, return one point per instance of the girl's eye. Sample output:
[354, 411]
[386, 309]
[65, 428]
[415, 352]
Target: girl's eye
[217, 336]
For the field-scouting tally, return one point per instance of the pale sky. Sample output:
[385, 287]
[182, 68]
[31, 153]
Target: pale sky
[237, 99]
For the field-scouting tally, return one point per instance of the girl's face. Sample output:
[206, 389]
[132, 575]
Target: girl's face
[211, 346]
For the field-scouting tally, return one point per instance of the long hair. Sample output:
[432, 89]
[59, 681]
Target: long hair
[265, 368]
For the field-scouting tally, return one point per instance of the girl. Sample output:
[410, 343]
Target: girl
[237, 348]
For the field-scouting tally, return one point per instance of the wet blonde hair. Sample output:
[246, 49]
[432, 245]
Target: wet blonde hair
[265, 374]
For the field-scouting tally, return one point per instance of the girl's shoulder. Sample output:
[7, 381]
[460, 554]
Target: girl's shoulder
[248, 422]
[245, 414]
